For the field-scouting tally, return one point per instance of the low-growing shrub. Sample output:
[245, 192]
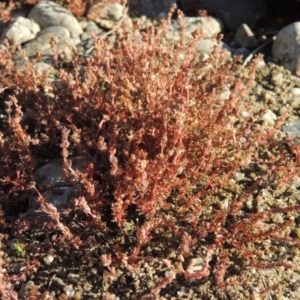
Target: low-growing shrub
[170, 139]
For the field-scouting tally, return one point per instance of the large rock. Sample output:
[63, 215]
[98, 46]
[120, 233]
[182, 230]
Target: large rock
[106, 16]
[20, 30]
[244, 37]
[232, 12]
[48, 13]
[42, 44]
[210, 28]
[286, 47]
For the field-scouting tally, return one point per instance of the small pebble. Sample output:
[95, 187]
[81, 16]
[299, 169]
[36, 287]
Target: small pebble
[48, 259]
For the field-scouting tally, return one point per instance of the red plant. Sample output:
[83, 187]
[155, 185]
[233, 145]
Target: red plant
[166, 134]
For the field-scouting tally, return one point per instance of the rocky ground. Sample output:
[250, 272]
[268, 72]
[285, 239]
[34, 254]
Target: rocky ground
[43, 265]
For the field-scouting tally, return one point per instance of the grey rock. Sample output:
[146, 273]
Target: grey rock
[59, 196]
[20, 30]
[293, 128]
[52, 173]
[42, 44]
[242, 51]
[106, 16]
[3, 26]
[206, 47]
[143, 21]
[232, 12]
[40, 68]
[48, 13]
[113, 12]
[26, 287]
[91, 27]
[51, 176]
[210, 27]
[286, 47]
[86, 47]
[244, 36]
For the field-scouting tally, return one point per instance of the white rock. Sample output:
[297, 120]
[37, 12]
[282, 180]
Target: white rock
[277, 79]
[195, 265]
[286, 47]
[21, 30]
[269, 118]
[225, 95]
[295, 183]
[48, 13]
[48, 259]
[69, 290]
[295, 91]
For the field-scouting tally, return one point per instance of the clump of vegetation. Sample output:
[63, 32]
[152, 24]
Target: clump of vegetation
[166, 137]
